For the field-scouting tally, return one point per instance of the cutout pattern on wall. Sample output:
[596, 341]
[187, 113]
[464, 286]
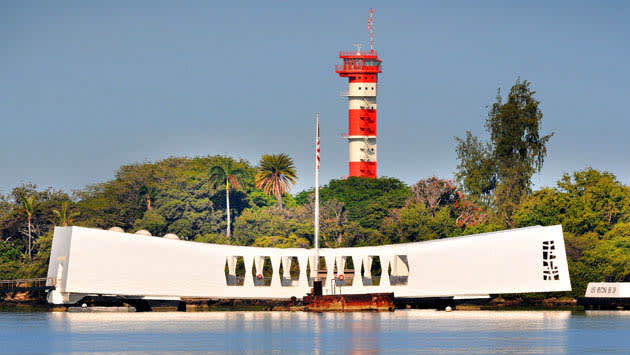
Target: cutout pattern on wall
[550, 269]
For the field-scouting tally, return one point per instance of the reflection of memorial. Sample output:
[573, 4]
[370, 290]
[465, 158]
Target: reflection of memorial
[97, 262]
[361, 328]
[405, 331]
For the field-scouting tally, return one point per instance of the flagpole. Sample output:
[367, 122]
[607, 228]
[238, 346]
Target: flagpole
[316, 237]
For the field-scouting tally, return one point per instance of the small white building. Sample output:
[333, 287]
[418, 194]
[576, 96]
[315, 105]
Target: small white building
[86, 262]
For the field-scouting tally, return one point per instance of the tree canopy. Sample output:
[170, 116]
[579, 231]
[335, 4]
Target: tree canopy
[276, 173]
[501, 170]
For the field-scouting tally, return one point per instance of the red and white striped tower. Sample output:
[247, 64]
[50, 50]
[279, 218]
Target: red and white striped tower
[361, 68]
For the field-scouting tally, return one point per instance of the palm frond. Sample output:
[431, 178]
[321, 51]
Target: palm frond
[275, 174]
[217, 176]
[226, 173]
[28, 205]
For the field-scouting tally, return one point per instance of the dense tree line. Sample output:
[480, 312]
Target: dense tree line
[190, 197]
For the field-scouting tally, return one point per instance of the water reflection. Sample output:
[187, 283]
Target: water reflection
[308, 333]
[607, 314]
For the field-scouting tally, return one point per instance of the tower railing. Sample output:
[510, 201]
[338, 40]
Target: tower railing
[355, 53]
[358, 68]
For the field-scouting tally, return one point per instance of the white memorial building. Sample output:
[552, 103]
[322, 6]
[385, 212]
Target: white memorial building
[92, 262]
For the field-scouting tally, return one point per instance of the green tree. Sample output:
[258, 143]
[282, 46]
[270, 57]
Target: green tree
[516, 151]
[64, 216]
[271, 221]
[415, 223]
[260, 199]
[276, 173]
[545, 207]
[28, 207]
[476, 171]
[609, 257]
[38, 266]
[5, 207]
[367, 201]
[290, 241]
[151, 221]
[229, 175]
[148, 193]
[10, 258]
[596, 201]
[584, 202]
[24, 201]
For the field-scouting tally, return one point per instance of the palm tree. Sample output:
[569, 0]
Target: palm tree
[64, 215]
[148, 193]
[229, 175]
[274, 175]
[28, 207]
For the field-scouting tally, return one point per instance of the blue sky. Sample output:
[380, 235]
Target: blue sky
[85, 87]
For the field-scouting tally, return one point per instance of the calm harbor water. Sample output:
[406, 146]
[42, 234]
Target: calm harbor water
[403, 331]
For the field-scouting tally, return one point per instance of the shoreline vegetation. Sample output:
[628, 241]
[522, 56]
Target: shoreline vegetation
[193, 197]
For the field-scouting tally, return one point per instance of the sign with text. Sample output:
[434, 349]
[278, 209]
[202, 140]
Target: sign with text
[603, 289]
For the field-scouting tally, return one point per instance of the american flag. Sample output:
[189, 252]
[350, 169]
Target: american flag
[317, 142]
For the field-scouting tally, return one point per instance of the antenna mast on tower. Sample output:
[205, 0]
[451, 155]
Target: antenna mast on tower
[371, 29]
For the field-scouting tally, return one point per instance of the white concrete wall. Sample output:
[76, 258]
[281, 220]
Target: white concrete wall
[58, 262]
[111, 263]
